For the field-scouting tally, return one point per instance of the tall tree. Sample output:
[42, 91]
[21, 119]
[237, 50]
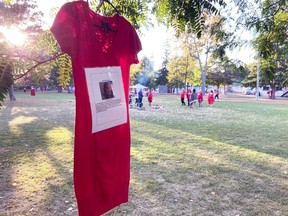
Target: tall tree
[272, 43]
[268, 18]
[179, 14]
[201, 49]
[162, 74]
[225, 72]
[181, 71]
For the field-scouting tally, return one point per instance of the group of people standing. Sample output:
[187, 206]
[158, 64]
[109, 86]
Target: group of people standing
[193, 97]
[140, 95]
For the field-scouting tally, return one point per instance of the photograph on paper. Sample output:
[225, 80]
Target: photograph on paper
[106, 96]
[106, 89]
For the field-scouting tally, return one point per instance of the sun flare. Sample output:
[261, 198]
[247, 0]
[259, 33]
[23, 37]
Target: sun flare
[14, 36]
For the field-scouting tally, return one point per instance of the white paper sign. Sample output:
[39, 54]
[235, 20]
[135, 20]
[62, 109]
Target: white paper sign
[107, 98]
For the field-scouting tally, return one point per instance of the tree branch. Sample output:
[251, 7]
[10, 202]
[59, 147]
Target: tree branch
[36, 65]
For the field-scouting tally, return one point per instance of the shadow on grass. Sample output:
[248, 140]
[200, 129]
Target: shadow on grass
[199, 175]
[36, 172]
[173, 171]
[246, 130]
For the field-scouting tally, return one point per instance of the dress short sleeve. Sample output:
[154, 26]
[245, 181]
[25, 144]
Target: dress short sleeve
[64, 29]
[129, 42]
[135, 46]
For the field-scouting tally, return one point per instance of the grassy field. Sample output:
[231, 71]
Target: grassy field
[230, 159]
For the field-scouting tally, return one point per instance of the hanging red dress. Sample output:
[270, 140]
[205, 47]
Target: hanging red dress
[101, 159]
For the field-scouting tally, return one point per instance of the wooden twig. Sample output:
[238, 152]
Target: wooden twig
[36, 65]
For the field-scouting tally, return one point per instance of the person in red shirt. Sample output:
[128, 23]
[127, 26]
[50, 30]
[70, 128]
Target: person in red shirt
[182, 96]
[150, 98]
[211, 98]
[188, 95]
[271, 93]
[200, 98]
[32, 91]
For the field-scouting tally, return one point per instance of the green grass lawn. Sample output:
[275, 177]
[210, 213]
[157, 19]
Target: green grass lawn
[229, 159]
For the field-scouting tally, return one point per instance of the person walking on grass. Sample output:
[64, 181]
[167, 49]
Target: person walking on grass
[210, 98]
[193, 99]
[140, 97]
[150, 98]
[216, 94]
[200, 98]
[182, 97]
[188, 95]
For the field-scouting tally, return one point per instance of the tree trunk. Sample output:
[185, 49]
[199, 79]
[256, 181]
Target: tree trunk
[202, 69]
[203, 86]
[12, 93]
[273, 93]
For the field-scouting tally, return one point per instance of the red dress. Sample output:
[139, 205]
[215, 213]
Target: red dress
[101, 159]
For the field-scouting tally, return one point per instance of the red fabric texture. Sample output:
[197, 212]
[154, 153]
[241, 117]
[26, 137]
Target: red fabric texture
[200, 96]
[102, 159]
[150, 97]
[182, 94]
[210, 98]
[32, 92]
[188, 94]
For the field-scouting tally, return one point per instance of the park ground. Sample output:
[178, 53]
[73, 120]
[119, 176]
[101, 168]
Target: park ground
[230, 159]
